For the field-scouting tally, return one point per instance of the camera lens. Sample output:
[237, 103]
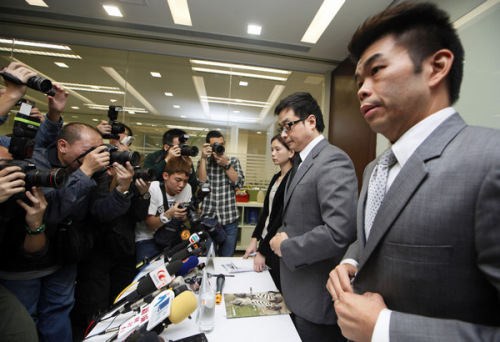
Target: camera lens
[218, 148]
[55, 178]
[122, 157]
[191, 151]
[39, 83]
[147, 174]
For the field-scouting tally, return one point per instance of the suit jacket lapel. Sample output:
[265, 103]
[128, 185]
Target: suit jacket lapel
[406, 183]
[304, 167]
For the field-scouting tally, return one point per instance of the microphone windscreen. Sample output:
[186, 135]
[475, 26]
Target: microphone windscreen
[187, 265]
[146, 284]
[180, 246]
[182, 306]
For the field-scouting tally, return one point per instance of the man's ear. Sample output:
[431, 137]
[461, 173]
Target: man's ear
[440, 64]
[311, 120]
[165, 175]
[62, 145]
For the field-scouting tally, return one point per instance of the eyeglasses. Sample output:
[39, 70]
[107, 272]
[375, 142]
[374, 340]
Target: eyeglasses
[288, 126]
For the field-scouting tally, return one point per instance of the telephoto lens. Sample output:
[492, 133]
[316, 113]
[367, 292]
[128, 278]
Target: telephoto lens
[218, 148]
[39, 83]
[55, 178]
[122, 157]
[186, 150]
[147, 174]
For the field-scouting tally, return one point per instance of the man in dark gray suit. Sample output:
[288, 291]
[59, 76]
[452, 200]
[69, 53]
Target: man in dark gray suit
[429, 267]
[318, 217]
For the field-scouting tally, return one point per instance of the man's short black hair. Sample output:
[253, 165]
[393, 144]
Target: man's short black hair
[213, 134]
[423, 29]
[171, 134]
[72, 132]
[303, 105]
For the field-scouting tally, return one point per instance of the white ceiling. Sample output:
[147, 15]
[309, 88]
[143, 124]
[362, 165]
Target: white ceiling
[146, 39]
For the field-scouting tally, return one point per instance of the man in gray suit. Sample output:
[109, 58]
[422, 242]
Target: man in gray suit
[429, 268]
[318, 217]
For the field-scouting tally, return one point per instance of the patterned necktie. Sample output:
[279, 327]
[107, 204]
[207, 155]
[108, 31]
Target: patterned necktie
[376, 188]
[295, 166]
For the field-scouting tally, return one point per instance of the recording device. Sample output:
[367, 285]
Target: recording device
[210, 225]
[122, 157]
[187, 150]
[218, 148]
[147, 174]
[21, 147]
[55, 178]
[116, 127]
[220, 285]
[39, 83]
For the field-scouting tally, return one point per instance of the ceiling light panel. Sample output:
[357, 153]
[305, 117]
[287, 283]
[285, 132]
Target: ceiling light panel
[41, 53]
[322, 19]
[61, 65]
[36, 44]
[155, 74]
[39, 3]
[254, 29]
[112, 11]
[240, 66]
[180, 12]
[243, 74]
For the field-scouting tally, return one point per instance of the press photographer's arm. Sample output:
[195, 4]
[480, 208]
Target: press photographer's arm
[14, 92]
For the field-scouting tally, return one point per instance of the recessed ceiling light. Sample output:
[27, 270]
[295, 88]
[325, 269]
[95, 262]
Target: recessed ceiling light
[177, 106]
[40, 53]
[254, 29]
[112, 11]
[139, 123]
[155, 74]
[240, 66]
[237, 73]
[131, 112]
[75, 107]
[169, 94]
[95, 120]
[40, 3]
[236, 111]
[180, 12]
[322, 19]
[183, 116]
[61, 65]
[37, 44]
[74, 116]
[243, 83]
[259, 132]
[112, 100]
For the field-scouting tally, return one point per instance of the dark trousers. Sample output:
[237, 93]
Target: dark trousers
[312, 332]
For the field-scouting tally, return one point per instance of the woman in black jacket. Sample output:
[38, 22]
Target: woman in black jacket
[270, 219]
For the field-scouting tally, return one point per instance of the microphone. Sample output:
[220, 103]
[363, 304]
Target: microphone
[187, 265]
[158, 278]
[197, 237]
[196, 249]
[220, 285]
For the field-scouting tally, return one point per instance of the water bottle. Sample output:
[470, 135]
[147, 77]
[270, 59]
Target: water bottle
[207, 306]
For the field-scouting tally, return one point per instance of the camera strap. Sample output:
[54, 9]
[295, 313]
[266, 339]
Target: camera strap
[166, 204]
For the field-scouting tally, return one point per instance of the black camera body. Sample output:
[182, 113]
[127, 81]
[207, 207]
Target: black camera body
[39, 83]
[122, 157]
[218, 148]
[116, 127]
[24, 131]
[187, 150]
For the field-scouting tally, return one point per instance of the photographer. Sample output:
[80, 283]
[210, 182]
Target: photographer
[164, 208]
[123, 141]
[171, 149]
[72, 213]
[17, 325]
[50, 127]
[225, 175]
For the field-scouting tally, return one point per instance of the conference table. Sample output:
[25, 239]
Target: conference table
[261, 328]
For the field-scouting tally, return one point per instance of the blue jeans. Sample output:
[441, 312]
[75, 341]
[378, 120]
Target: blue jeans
[51, 298]
[146, 248]
[226, 249]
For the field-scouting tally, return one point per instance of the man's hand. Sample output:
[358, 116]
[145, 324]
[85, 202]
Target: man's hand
[35, 112]
[124, 176]
[340, 280]
[35, 211]
[57, 103]
[259, 262]
[16, 69]
[104, 127]
[11, 182]
[220, 159]
[357, 314]
[176, 212]
[142, 186]
[173, 152]
[206, 151]
[276, 241]
[95, 160]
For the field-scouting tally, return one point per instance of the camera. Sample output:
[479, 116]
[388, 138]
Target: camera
[147, 174]
[39, 83]
[187, 150]
[24, 131]
[116, 127]
[55, 178]
[122, 157]
[209, 225]
[218, 148]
